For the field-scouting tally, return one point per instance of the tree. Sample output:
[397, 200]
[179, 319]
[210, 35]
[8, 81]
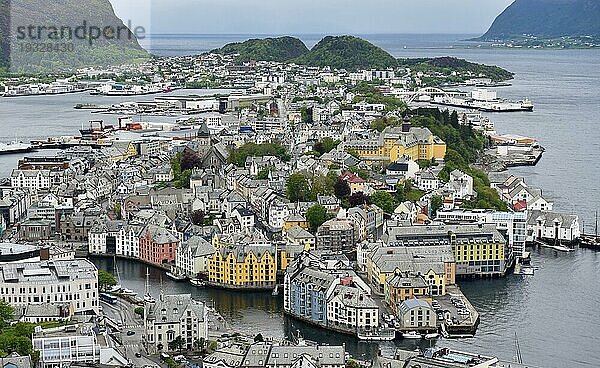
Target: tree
[177, 344]
[297, 188]
[358, 199]
[352, 364]
[259, 338]
[325, 145]
[436, 204]
[197, 217]
[306, 114]
[139, 311]
[384, 200]
[117, 211]
[7, 313]
[321, 185]
[341, 188]
[106, 279]
[316, 216]
[190, 160]
[264, 173]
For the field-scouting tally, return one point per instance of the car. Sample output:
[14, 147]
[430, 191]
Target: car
[130, 333]
[138, 355]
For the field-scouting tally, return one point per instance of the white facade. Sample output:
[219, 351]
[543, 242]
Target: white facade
[351, 308]
[65, 281]
[36, 180]
[61, 351]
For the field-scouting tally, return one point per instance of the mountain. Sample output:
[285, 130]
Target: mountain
[342, 52]
[69, 48]
[267, 49]
[347, 52]
[546, 19]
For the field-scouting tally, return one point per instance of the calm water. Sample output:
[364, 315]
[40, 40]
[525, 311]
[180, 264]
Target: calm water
[554, 313]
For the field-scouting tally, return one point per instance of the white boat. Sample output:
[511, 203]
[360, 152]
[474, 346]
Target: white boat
[128, 292]
[411, 335]
[147, 297]
[115, 289]
[175, 277]
[197, 283]
[15, 147]
[431, 336]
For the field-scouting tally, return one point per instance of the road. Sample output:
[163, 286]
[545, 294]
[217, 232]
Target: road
[127, 343]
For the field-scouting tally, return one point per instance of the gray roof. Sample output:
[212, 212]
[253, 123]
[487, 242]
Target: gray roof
[325, 354]
[171, 308]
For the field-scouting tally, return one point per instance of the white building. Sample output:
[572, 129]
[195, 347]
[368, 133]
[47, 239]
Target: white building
[552, 226]
[36, 180]
[351, 308]
[73, 281]
[461, 184]
[173, 316]
[416, 314]
[192, 256]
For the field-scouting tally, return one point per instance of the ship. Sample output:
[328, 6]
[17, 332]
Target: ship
[15, 147]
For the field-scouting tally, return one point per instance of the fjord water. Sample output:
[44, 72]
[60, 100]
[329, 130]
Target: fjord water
[554, 313]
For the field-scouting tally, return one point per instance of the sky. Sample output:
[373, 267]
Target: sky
[310, 16]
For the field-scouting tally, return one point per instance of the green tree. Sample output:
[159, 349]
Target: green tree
[384, 200]
[352, 364]
[325, 145]
[7, 313]
[298, 188]
[117, 211]
[177, 344]
[341, 189]
[316, 216]
[263, 174]
[306, 115]
[106, 279]
[436, 204]
[139, 311]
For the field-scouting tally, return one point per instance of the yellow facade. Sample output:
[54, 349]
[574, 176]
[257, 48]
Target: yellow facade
[243, 268]
[287, 224]
[479, 252]
[391, 149]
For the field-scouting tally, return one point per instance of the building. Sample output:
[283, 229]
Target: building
[512, 225]
[75, 345]
[337, 235]
[416, 314]
[158, 245]
[298, 235]
[36, 180]
[244, 266]
[479, 250]
[350, 308]
[396, 142]
[193, 255]
[401, 287]
[552, 227]
[173, 316]
[54, 282]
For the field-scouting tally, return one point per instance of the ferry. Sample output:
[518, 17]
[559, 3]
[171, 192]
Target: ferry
[14, 147]
[484, 100]
[380, 335]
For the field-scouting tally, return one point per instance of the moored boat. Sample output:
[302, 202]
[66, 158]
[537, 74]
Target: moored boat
[411, 335]
[431, 336]
[197, 283]
[175, 277]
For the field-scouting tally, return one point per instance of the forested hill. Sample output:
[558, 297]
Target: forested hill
[17, 16]
[546, 19]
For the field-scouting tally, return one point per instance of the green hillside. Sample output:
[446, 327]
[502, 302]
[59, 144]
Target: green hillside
[267, 49]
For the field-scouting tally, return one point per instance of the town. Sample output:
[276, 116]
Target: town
[362, 206]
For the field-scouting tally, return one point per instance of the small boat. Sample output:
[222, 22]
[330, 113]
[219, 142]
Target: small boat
[411, 335]
[149, 299]
[128, 292]
[175, 277]
[431, 336]
[115, 289]
[197, 283]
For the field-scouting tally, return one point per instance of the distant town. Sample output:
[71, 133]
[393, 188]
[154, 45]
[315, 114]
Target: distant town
[360, 198]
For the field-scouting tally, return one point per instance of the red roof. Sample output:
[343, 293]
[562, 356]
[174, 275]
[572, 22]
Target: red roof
[520, 205]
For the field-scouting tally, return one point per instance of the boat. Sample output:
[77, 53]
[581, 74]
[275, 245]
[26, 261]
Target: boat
[411, 335]
[128, 292]
[14, 147]
[147, 297]
[431, 336]
[377, 335]
[175, 277]
[197, 283]
[590, 241]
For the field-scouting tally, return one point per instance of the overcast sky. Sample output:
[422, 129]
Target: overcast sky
[310, 16]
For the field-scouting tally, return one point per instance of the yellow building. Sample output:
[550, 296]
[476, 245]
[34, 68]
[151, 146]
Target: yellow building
[393, 143]
[245, 267]
[434, 263]
[295, 220]
[401, 287]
